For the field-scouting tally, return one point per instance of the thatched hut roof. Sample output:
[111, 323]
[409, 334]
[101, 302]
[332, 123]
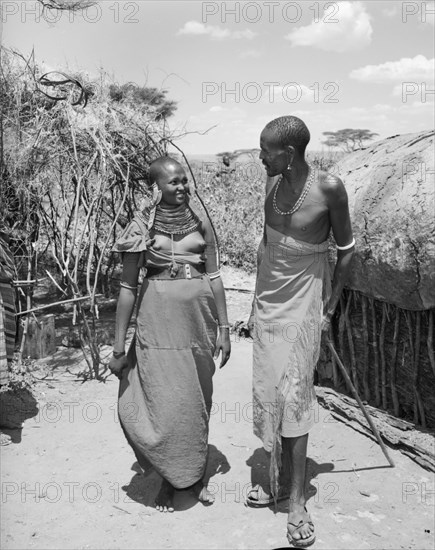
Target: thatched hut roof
[392, 204]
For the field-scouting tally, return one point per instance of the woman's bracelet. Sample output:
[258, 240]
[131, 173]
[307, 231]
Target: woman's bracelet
[214, 275]
[129, 287]
[224, 326]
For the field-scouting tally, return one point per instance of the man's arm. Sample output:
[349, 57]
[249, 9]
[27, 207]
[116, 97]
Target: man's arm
[339, 217]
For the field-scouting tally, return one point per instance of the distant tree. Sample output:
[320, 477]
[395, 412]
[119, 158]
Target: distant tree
[143, 96]
[348, 139]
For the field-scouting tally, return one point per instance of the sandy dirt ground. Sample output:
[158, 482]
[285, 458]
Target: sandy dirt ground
[69, 479]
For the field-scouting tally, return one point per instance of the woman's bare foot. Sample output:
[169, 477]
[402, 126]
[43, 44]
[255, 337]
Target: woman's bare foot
[203, 494]
[165, 499]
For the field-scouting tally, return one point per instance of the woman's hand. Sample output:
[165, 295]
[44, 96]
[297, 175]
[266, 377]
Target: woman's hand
[223, 345]
[117, 365]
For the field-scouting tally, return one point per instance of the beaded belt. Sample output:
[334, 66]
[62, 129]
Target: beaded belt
[185, 271]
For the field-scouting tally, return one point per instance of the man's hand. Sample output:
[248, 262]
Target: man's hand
[223, 345]
[116, 366]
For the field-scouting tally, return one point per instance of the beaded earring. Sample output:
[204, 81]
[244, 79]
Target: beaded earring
[156, 197]
[156, 194]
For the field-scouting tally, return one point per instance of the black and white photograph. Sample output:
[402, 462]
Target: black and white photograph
[217, 274]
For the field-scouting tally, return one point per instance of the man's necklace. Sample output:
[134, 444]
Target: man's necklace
[301, 198]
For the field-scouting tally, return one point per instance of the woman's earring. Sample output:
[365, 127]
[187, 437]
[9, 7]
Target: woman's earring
[289, 167]
[157, 194]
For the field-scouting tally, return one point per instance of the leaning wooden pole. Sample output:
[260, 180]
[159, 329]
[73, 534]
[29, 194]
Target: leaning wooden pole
[360, 403]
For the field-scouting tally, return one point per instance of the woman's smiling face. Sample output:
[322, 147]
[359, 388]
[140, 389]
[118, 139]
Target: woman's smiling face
[173, 183]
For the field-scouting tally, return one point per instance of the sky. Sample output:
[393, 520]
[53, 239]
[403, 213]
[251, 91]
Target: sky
[234, 66]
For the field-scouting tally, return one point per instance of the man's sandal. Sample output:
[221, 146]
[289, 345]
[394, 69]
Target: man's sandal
[5, 439]
[293, 527]
[263, 499]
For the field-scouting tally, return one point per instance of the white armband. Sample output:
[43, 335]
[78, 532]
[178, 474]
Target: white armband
[347, 246]
[214, 275]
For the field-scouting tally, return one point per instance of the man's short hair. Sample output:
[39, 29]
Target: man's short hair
[290, 130]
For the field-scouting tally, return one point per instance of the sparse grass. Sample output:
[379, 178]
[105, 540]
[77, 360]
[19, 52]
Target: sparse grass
[234, 197]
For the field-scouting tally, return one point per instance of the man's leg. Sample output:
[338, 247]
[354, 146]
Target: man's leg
[294, 457]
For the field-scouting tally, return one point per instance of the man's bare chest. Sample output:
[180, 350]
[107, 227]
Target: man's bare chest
[309, 223]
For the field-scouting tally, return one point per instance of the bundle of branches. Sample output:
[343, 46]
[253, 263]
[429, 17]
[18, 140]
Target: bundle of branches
[80, 158]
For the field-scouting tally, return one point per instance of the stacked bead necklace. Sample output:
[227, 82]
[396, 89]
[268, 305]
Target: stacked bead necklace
[298, 203]
[180, 220]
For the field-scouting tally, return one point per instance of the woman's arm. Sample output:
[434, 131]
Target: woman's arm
[217, 287]
[124, 309]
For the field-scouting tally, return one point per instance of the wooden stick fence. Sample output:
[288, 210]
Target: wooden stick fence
[39, 308]
[389, 353]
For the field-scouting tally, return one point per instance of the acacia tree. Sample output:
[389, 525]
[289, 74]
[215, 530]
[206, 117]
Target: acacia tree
[348, 139]
[142, 97]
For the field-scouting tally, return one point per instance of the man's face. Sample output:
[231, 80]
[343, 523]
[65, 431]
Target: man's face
[173, 183]
[274, 157]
